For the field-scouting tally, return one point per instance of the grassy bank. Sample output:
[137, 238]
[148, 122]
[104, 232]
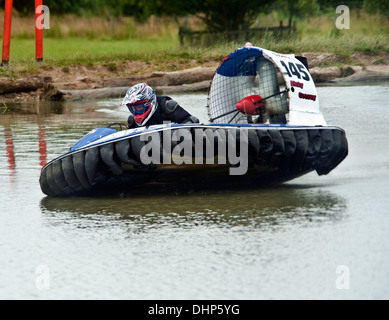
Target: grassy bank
[71, 51]
[101, 41]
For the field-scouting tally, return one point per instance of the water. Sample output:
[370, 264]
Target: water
[312, 238]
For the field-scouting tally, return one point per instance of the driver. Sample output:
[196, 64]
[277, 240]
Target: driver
[149, 109]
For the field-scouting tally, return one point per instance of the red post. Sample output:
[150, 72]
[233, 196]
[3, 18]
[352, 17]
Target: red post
[7, 31]
[38, 31]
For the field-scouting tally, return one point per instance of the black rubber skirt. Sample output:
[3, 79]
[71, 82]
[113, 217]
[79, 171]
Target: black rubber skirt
[274, 155]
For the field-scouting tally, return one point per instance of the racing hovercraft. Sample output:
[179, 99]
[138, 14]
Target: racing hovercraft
[265, 127]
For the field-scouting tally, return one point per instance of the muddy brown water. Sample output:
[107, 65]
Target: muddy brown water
[311, 238]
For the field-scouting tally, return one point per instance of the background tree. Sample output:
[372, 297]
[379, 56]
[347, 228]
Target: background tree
[218, 15]
[26, 7]
[377, 6]
[227, 15]
[293, 9]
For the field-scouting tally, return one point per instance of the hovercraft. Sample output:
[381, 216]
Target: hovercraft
[265, 127]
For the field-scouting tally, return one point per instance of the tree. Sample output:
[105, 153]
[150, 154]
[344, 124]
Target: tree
[296, 9]
[218, 15]
[27, 7]
[22, 6]
[227, 15]
[374, 6]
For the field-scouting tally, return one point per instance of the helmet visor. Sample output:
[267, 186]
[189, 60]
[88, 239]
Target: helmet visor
[138, 107]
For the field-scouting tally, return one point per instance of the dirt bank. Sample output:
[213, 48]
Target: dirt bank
[86, 82]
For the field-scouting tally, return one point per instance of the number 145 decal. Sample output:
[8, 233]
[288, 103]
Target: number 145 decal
[297, 70]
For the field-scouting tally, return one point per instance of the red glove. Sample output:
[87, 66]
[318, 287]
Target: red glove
[251, 105]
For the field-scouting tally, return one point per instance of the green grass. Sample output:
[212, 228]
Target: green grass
[4, 107]
[73, 51]
[342, 45]
[68, 51]
[368, 35]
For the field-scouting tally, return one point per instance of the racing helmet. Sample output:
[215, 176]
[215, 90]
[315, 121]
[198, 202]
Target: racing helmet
[141, 101]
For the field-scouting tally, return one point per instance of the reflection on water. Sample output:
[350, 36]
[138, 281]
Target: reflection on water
[274, 242]
[42, 130]
[42, 137]
[9, 147]
[253, 209]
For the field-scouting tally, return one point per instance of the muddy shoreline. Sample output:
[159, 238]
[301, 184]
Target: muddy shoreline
[82, 82]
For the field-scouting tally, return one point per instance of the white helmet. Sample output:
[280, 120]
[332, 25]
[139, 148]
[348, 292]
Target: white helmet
[141, 100]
